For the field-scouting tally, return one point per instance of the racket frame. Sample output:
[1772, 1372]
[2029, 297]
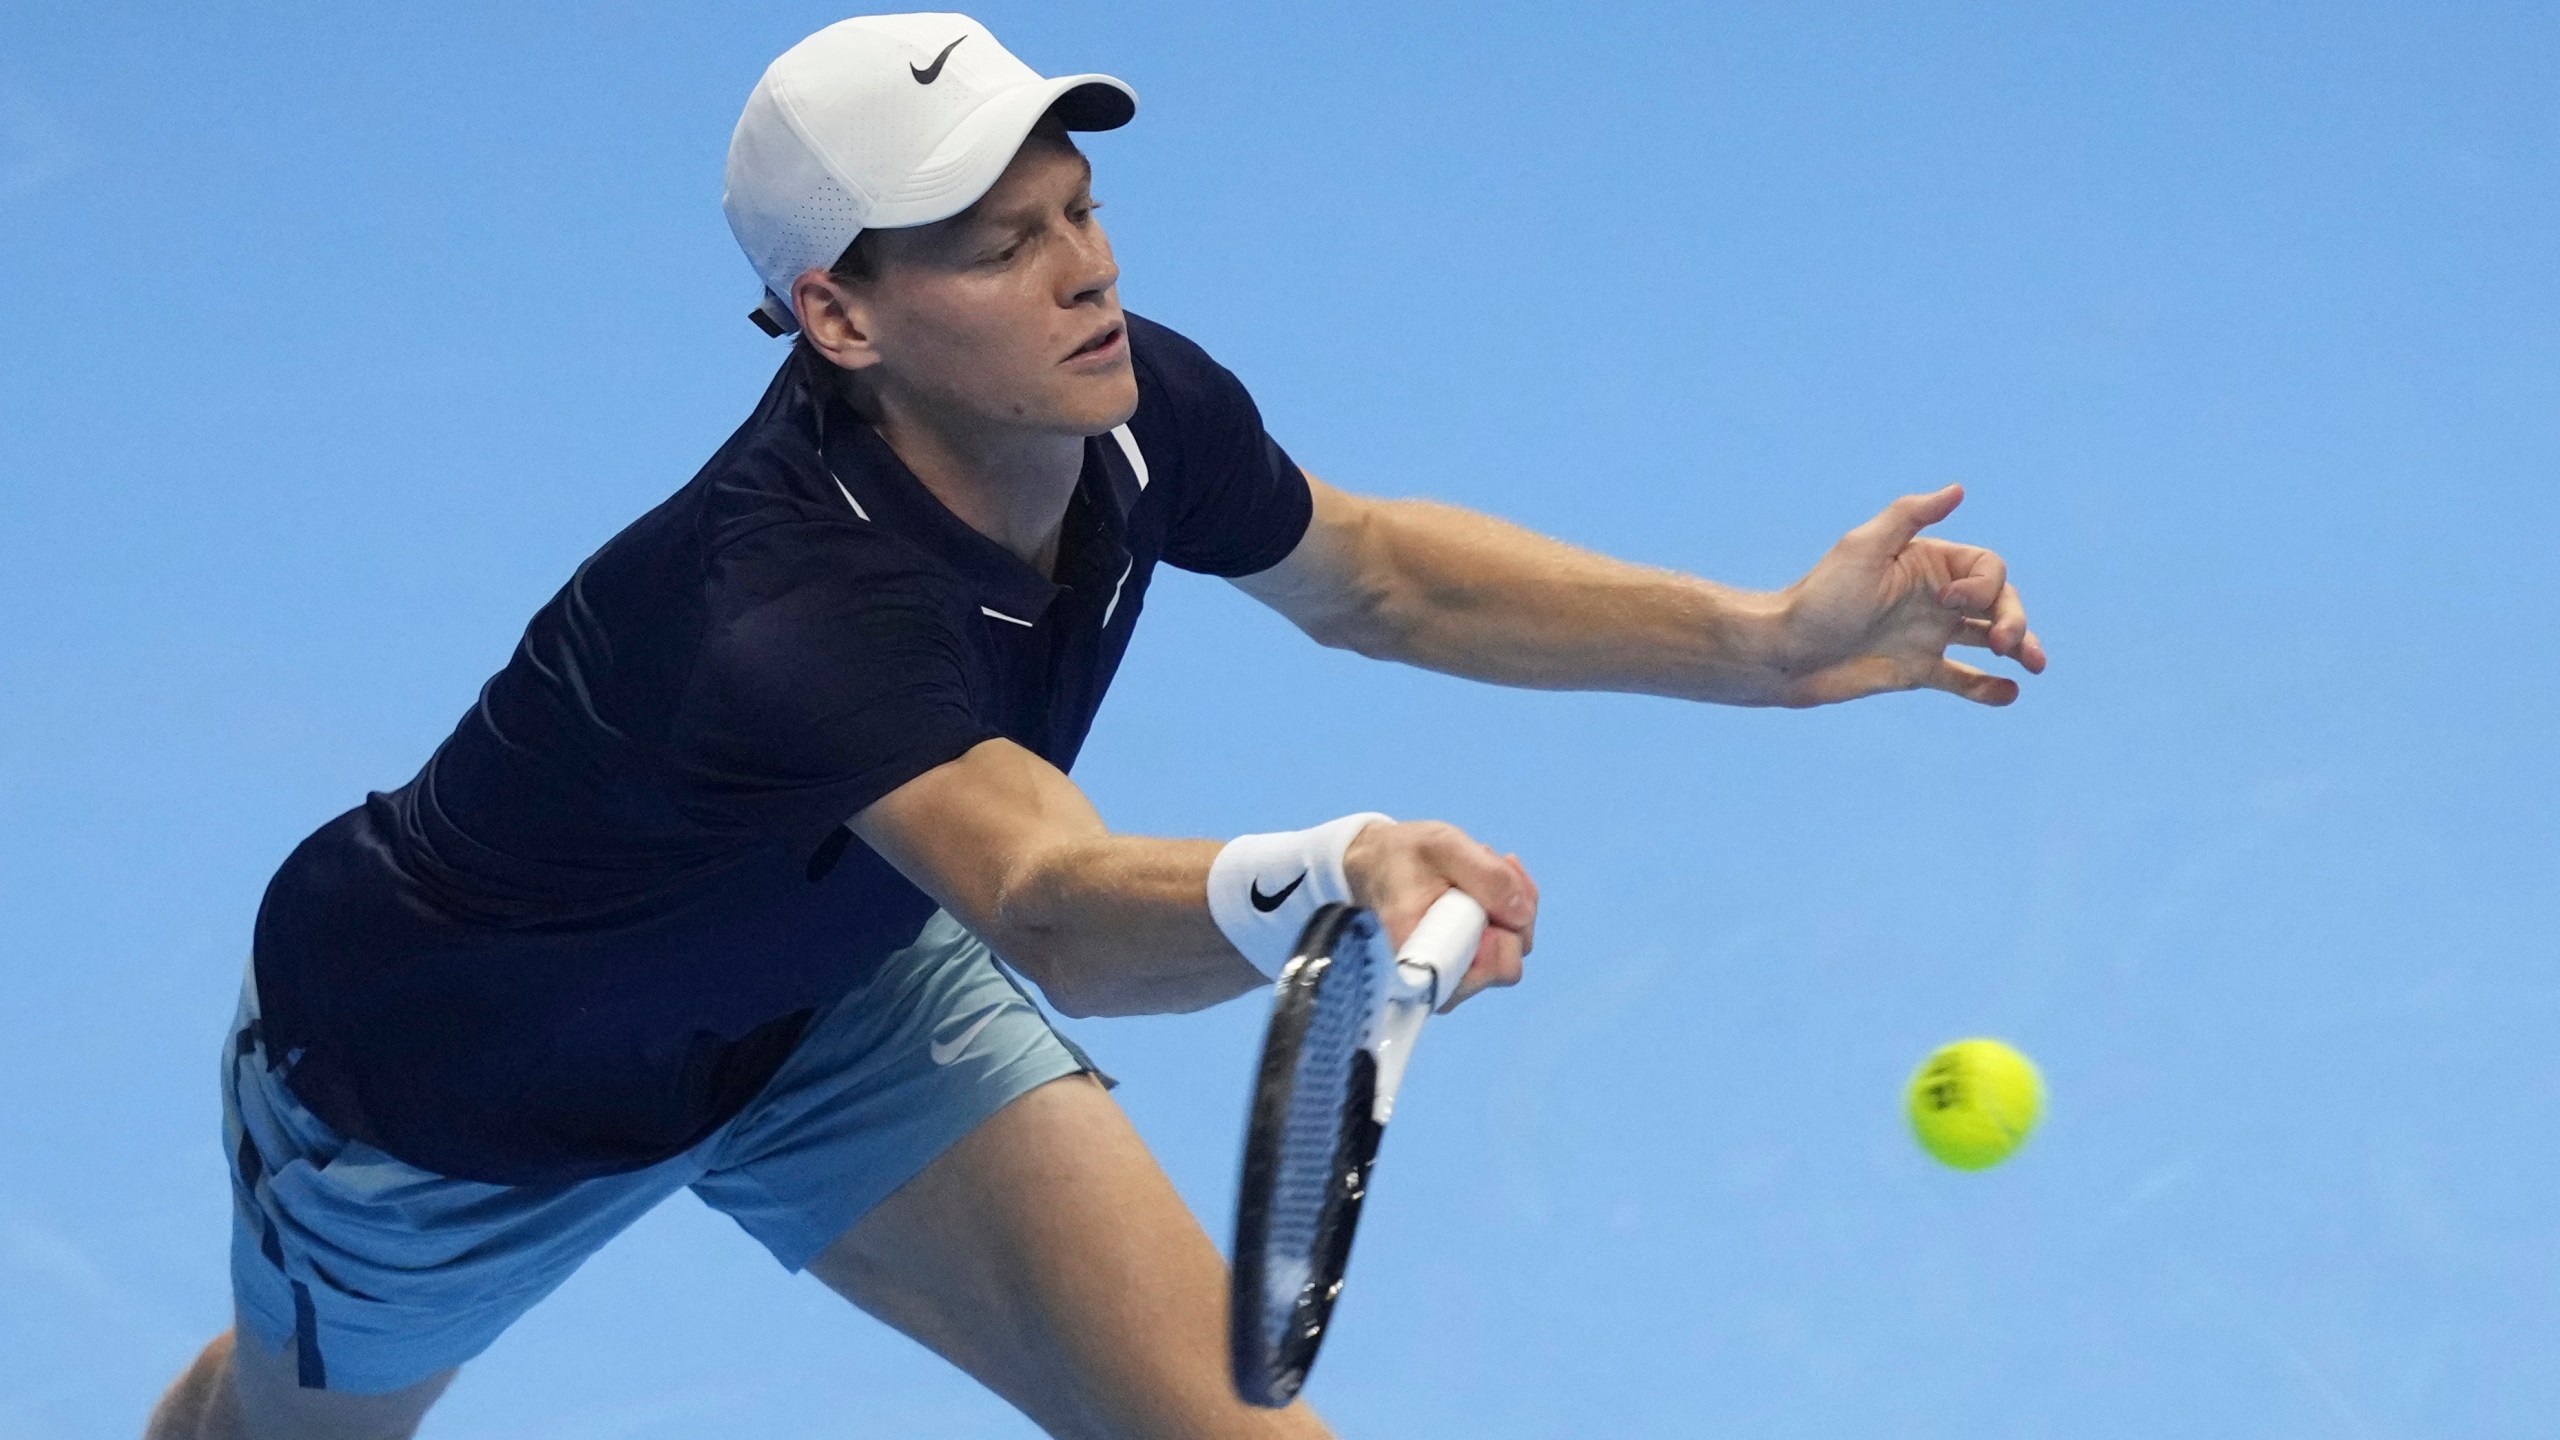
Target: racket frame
[1404, 990]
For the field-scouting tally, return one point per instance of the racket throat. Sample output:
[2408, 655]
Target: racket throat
[1398, 1025]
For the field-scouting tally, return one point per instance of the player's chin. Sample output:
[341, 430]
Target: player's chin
[1094, 401]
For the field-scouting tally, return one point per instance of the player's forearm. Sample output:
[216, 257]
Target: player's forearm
[1463, 593]
[1119, 925]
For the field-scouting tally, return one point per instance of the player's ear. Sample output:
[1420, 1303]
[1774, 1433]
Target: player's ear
[835, 318]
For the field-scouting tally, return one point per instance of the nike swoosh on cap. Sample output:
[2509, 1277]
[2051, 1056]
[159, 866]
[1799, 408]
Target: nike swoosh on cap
[944, 1052]
[1268, 903]
[933, 72]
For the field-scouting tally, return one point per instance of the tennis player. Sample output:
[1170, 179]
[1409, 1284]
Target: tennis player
[719, 883]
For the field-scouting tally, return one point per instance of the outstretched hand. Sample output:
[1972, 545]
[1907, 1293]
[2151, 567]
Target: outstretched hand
[1880, 610]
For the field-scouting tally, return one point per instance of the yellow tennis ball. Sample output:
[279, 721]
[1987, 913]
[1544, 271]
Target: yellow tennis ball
[1973, 1102]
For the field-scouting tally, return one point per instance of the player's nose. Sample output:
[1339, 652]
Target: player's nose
[1091, 272]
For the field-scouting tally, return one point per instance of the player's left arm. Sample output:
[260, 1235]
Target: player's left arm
[1453, 590]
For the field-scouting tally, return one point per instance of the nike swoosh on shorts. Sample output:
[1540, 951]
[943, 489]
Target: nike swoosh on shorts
[944, 1052]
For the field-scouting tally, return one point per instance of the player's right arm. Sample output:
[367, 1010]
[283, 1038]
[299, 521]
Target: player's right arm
[1111, 924]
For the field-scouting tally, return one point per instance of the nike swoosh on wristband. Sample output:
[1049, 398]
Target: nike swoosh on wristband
[1268, 903]
[943, 1053]
[933, 72]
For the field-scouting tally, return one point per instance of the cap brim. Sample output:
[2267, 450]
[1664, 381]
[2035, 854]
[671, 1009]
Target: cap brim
[1095, 102]
[968, 161]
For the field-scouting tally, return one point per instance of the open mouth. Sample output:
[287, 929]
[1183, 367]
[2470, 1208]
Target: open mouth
[1101, 343]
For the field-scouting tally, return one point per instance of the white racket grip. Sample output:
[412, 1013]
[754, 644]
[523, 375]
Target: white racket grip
[1443, 945]
[1434, 959]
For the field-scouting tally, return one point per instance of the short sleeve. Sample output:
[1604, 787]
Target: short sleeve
[830, 673]
[1239, 504]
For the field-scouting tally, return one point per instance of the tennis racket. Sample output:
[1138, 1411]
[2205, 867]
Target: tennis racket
[1343, 1023]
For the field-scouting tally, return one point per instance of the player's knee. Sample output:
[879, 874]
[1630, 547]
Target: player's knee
[192, 1408]
[273, 1405]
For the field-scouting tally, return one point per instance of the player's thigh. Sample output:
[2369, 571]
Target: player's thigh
[268, 1401]
[1047, 1255]
[355, 1272]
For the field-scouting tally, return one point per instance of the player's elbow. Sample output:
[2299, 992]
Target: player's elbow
[1046, 925]
[1051, 953]
[1359, 595]
[1058, 982]
[1070, 983]
[1042, 953]
[1367, 620]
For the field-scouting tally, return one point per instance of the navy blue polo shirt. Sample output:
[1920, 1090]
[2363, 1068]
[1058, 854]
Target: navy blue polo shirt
[595, 924]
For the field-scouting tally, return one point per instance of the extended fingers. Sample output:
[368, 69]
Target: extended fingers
[1902, 521]
[2005, 633]
[1957, 678]
[2030, 653]
[2009, 633]
[1977, 591]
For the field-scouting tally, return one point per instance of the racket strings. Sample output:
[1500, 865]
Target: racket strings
[1321, 1164]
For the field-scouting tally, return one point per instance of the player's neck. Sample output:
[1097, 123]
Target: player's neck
[1011, 486]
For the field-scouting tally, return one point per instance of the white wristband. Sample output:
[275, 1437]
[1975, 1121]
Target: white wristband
[1264, 888]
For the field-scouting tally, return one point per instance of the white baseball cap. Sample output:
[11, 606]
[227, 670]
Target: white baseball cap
[881, 122]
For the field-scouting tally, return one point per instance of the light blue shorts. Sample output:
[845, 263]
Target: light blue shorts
[387, 1274]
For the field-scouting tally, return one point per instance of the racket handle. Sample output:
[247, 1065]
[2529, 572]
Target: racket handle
[1442, 946]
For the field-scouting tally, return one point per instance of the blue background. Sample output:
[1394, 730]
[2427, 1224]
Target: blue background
[332, 337]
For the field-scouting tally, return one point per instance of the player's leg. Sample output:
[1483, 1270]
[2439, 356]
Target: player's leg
[1048, 1255]
[361, 1283]
[240, 1390]
[939, 1154]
